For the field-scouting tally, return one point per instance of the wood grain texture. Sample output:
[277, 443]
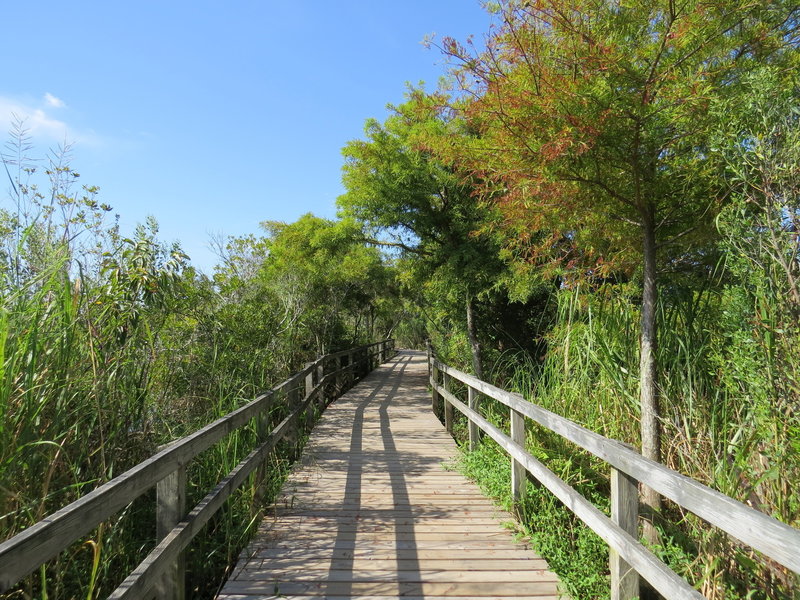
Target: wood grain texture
[372, 512]
[625, 513]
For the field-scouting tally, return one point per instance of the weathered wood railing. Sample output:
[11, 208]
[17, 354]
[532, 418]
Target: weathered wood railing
[628, 557]
[161, 573]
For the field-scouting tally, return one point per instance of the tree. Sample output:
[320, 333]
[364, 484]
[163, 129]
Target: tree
[412, 202]
[593, 121]
[323, 272]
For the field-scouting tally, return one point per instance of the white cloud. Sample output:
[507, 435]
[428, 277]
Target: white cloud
[40, 124]
[36, 121]
[53, 101]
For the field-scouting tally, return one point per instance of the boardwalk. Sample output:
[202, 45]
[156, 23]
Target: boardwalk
[370, 512]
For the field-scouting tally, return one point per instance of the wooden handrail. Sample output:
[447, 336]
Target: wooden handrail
[29, 549]
[775, 539]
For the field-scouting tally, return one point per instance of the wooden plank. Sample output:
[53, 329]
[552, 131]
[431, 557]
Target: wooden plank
[326, 564]
[431, 525]
[750, 526]
[450, 573]
[415, 544]
[517, 552]
[403, 588]
[323, 596]
[365, 536]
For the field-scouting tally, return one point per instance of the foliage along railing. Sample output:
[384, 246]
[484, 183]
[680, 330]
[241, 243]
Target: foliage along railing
[628, 557]
[161, 574]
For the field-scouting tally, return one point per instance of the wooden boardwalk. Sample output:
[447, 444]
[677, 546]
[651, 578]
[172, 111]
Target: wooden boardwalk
[370, 512]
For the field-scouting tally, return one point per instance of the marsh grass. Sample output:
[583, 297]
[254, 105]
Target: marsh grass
[722, 422]
[109, 348]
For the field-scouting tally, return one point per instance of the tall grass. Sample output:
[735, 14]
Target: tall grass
[723, 423]
[89, 389]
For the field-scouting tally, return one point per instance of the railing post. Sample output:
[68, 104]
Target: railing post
[292, 399]
[309, 384]
[474, 431]
[262, 431]
[429, 353]
[364, 362]
[434, 383]
[170, 510]
[519, 476]
[625, 513]
[349, 374]
[309, 379]
[341, 361]
[323, 401]
[448, 407]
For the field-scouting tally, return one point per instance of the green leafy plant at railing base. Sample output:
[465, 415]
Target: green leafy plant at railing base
[573, 551]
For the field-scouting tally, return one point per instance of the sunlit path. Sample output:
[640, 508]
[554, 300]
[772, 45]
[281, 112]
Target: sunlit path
[371, 512]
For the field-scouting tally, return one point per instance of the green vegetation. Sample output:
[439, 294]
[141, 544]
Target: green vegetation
[111, 346]
[599, 210]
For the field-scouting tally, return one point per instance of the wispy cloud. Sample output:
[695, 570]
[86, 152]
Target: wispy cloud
[40, 123]
[53, 101]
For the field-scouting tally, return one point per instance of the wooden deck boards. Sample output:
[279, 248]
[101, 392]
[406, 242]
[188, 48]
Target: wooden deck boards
[371, 513]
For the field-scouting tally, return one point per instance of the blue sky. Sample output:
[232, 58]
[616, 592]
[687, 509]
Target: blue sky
[215, 116]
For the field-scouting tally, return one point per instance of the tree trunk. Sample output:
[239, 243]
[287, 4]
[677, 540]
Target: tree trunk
[648, 389]
[475, 347]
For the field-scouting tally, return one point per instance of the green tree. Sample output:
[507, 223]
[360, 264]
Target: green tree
[324, 276]
[410, 201]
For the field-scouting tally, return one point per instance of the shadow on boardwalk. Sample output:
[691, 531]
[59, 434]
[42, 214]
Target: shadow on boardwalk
[370, 511]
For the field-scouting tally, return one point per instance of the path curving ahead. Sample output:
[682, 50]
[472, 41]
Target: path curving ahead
[370, 512]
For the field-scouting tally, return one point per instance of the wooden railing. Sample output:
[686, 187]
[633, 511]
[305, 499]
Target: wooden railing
[161, 574]
[628, 557]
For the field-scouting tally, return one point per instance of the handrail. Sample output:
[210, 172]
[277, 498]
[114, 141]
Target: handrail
[774, 539]
[37, 544]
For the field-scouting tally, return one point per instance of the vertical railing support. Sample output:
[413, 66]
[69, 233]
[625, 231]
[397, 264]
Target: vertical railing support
[364, 360]
[429, 353]
[309, 379]
[625, 513]
[474, 431]
[260, 476]
[293, 399]
[170, 510]
[350, 373]
[341, 380]
[448, 406]
[434, 383]
[309, 385]
[322, 399]
[519, 477]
